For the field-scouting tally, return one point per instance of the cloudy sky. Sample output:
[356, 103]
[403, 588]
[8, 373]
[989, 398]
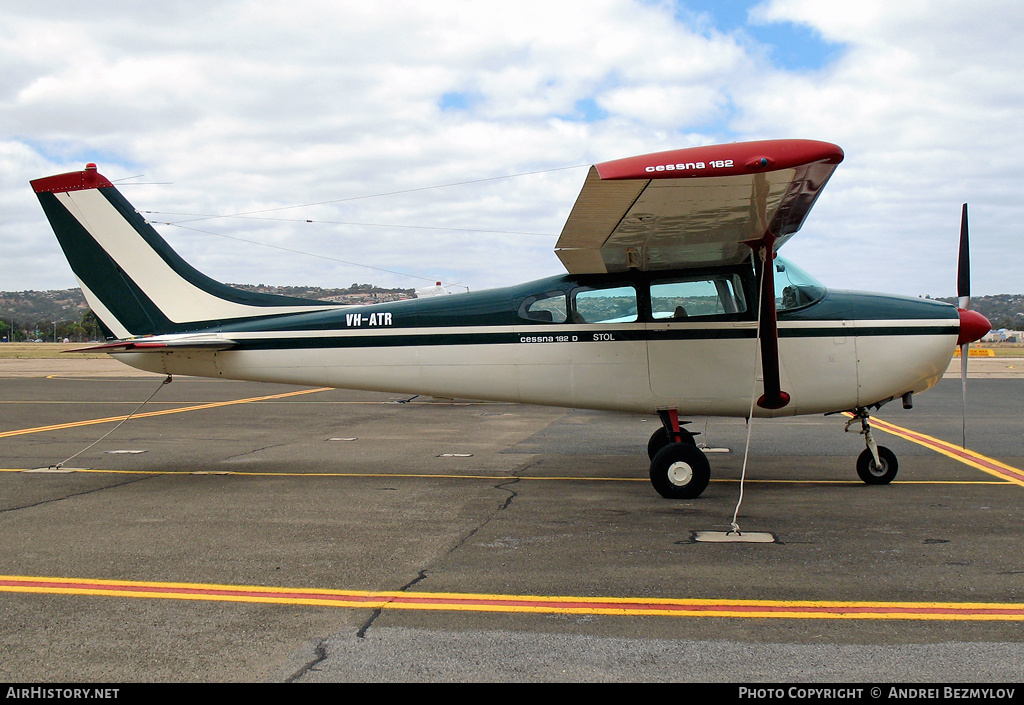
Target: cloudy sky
[447, 140]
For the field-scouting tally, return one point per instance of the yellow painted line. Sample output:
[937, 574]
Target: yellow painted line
[65, 402]
[449, 476]
[544, 604]
[148, 414]
[993, 467]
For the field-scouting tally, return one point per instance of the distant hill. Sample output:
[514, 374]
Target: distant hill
[48, 306]
[1002, 310]
[63, 314]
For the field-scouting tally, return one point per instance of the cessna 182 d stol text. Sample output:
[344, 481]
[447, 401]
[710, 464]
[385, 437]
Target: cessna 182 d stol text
[667, 307]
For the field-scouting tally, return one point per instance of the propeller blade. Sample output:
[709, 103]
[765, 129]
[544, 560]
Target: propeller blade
[963, 273]
[964, 354]
[973, 326]
[963, 292]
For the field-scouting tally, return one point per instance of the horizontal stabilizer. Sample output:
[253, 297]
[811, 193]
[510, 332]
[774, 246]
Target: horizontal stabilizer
[143, 345]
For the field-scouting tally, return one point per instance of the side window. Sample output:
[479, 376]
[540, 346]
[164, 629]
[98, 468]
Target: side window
[679, 299]
[545, 308]
[607, 305]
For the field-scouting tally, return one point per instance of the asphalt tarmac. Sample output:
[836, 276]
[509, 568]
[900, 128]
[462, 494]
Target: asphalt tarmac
[268, 533]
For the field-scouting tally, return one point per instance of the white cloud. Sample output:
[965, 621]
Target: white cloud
[246, 106]
[925, 100]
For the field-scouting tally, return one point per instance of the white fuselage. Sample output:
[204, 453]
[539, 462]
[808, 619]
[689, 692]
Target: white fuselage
[563, 365]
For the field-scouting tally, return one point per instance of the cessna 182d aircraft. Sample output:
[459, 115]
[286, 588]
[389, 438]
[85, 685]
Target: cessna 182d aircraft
[673, 302]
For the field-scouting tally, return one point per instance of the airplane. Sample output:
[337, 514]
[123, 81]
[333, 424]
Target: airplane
[674, 302]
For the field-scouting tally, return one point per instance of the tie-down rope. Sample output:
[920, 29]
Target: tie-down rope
[753, 392]
[167, 380]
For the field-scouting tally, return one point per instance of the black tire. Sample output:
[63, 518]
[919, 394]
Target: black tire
[680, 471]
[659, 439]
[871, 473]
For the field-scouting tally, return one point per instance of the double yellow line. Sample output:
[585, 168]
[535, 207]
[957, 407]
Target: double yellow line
[790, 609]
[965, 456]
[542, 604]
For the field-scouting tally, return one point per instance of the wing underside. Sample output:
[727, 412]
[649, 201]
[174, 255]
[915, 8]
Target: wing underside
[693, 207]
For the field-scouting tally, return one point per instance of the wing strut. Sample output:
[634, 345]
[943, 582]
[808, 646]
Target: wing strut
[768, 326]
[773, 397]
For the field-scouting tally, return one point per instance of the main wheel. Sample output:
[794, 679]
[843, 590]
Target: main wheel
[874, 474]
[659, 439]
[680, 471]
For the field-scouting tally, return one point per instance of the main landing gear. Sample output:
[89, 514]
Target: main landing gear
[877, 464]
[679, 469]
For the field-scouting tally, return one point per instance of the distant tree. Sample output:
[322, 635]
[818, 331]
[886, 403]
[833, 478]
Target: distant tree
[91, 325]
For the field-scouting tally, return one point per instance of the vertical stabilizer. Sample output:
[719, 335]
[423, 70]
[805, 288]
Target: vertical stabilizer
[132, 279]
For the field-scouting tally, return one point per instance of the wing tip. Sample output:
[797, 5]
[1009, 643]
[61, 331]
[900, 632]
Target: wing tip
[731, 159]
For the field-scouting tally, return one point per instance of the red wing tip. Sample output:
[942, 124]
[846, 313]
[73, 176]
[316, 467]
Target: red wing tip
[722, 160]
[72, 181]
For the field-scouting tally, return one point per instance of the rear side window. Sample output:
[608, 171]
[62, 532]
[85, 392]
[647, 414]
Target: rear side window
[549, 307]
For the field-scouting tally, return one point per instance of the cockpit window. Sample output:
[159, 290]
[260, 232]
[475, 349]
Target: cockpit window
[682, 298]
[615, 304]
[548, 307]
[795, 288]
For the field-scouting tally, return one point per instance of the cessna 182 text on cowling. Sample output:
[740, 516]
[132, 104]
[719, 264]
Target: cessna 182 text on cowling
[665, 304]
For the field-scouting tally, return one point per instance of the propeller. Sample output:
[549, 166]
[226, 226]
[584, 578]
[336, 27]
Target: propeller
[973, 326]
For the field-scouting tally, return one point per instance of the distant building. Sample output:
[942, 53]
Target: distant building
[1003, 335]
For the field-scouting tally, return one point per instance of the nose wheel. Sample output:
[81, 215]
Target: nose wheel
[880, 472]
[876, 465]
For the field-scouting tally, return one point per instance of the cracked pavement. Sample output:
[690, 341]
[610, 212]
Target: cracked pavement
[396, 510]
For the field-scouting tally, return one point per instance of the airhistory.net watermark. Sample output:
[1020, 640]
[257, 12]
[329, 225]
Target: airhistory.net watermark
[43, 693]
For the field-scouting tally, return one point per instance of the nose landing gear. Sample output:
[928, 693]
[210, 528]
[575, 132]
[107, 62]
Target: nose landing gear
[876, 465]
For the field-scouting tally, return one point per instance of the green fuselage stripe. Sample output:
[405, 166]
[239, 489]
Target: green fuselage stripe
[569, 335]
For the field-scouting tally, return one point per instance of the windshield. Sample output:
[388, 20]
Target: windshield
[794, 287]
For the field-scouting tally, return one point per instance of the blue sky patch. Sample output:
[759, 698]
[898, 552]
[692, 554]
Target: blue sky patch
[458, 101]
[790, 46]
[588, 110]
[64, 151]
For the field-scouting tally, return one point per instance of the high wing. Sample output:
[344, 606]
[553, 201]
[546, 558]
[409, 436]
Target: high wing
[693, 207]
